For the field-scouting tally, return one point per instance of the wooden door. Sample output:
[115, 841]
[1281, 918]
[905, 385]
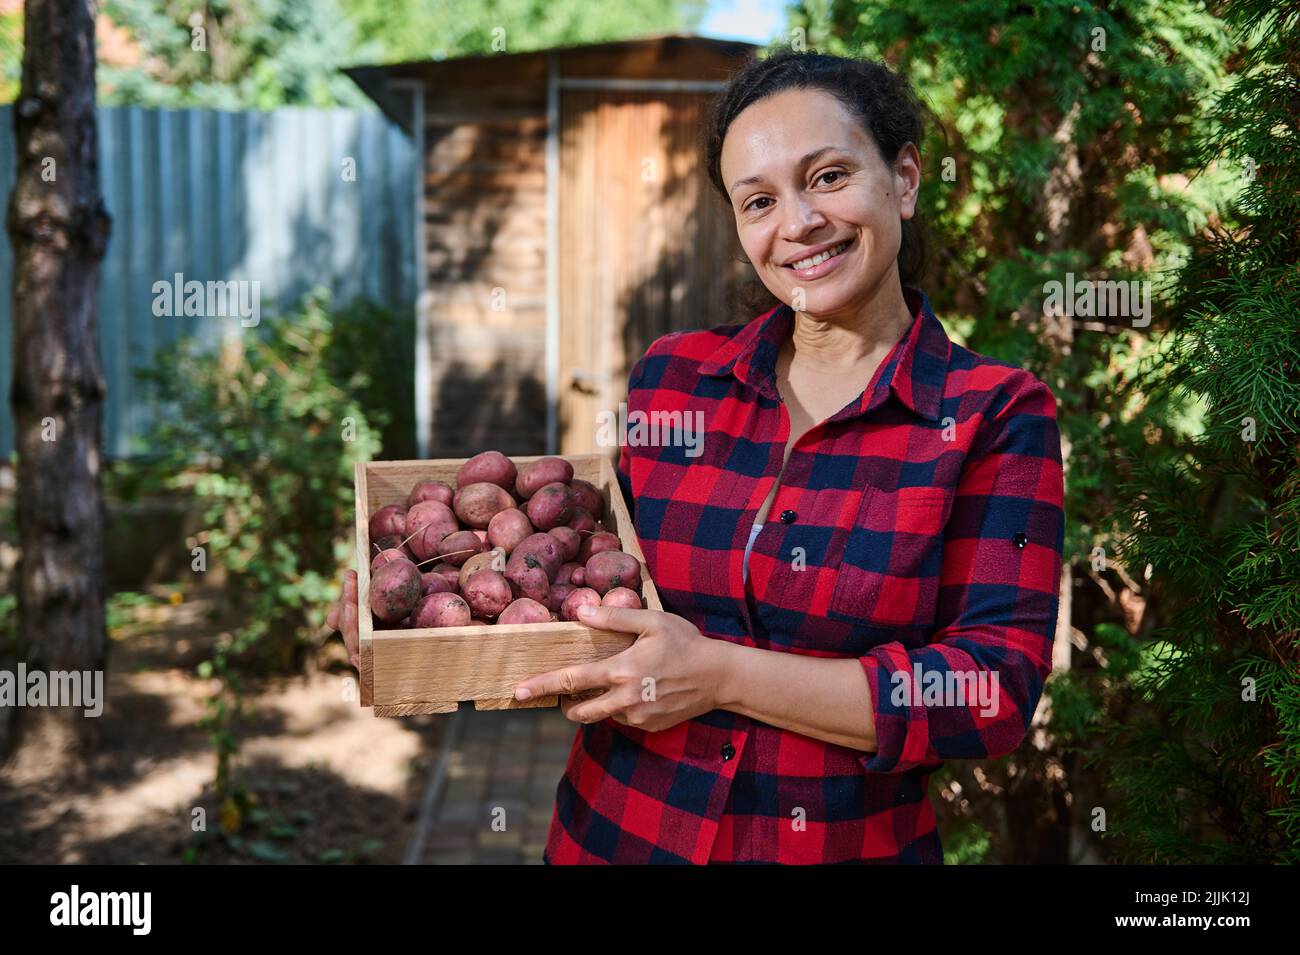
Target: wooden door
[645, 245]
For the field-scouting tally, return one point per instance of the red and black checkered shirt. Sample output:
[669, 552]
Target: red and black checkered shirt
[919, 530]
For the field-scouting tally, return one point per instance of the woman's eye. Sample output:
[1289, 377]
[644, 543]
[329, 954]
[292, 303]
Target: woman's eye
[830, 172]
[759, 199]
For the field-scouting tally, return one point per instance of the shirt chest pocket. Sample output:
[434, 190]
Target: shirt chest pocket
[888, 573]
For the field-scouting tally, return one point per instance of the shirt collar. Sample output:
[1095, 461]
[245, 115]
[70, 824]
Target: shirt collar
[913, 371]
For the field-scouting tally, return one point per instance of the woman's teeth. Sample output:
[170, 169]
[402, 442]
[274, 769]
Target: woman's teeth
[818, 259]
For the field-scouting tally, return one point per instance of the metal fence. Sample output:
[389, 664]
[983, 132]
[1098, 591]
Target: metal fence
[292, 199]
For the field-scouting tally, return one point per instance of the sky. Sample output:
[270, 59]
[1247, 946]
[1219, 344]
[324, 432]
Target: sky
[753, 20]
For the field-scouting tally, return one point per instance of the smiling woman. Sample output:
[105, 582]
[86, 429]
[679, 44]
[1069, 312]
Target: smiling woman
[770, 712]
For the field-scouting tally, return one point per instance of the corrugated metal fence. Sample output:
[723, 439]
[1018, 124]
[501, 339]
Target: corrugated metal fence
[291, 199]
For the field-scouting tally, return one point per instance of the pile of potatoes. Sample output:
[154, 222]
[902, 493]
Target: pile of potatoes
[507, 546]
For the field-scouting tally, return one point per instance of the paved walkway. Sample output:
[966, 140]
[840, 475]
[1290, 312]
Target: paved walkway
[492, 790]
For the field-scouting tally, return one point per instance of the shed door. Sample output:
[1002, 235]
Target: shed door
[645, 245]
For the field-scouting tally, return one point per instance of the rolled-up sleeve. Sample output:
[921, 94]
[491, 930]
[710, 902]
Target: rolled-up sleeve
[997, 602]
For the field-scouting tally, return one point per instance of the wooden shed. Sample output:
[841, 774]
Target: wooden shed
[567, 222]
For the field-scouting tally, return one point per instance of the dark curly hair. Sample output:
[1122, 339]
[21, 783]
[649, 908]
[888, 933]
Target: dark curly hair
[881, 100]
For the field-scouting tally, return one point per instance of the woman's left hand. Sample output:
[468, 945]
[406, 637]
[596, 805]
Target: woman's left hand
[670, 674]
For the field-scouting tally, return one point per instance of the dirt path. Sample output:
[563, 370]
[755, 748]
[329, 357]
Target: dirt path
[333, 783]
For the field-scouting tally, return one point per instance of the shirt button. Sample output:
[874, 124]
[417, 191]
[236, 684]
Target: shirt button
[1020, 540]
[728, 751]
[788, 517]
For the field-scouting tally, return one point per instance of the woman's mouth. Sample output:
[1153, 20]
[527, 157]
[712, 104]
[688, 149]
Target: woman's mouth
[818, 265]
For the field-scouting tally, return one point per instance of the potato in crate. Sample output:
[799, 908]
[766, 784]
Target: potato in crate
[470, 572]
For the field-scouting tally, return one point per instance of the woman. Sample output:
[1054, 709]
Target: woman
[899, 609]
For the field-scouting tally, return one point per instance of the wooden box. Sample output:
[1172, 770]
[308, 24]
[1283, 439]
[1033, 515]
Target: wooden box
[405, 672]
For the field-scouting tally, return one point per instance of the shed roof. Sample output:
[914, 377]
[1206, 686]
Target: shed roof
[659, 56]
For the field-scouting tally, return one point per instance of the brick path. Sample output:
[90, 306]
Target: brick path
[499, 772]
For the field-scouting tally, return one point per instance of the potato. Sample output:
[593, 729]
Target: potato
[524, 610]
[427, 523]
[582, 521]
[528, 578]
[476, 504]
[487, 467]
[390, 519]
[441, 610]
[597, 542]
[613, 568]
[580, 597]
[393, 542]
[450, 571]
[570, 541]
[565, 574]
[537, 474]
[587, 496]
[494, 559]
[439, 491]
[578, 577]
[507, 528]
[488, 593]
[395, 589]
[384, 556]
[620, 597]
[549, 507]
[437, 583]
[459, 547]
[558, 593]
[543, 548]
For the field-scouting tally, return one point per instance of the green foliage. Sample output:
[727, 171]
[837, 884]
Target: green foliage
[265, 432]
[1208, 766]
[11, 54]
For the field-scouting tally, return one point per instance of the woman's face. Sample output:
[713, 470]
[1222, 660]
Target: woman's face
[803, 175]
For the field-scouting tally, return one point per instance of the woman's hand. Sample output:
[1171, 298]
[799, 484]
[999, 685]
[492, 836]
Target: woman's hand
[343, 616]
[671, 674]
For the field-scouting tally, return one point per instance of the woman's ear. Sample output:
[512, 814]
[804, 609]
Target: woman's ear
[907, 177]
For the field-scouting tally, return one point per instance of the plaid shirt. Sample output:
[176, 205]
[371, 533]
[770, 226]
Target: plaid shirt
[918, 530]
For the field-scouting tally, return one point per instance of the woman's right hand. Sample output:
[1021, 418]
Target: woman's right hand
[343, 617]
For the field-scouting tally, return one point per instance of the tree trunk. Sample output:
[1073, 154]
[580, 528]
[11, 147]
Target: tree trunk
[58, 228]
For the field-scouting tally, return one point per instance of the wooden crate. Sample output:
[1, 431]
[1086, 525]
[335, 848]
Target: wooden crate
[405, 672]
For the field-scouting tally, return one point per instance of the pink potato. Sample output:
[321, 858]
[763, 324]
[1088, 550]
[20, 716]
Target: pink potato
[487, 467]
[583, 596]
[439, 491]
[582, 521]
[544, 549]
[390, 519]
[459, 547]
[495, 559]
[570, 541]
[565, 574]
[596, 543]
[441, 610]
[620, 597]
[579, 576]
[427, 523]
[613, 568]
[395, 589]
[549, 506]
[587, 496]
[537, 474]
[393, 542]
[384, 556]
[476, 504]
[524, 610]
[558, 593]
[488, 593]
[450, 571]
[508, 528]
[437, 583]
[528, 578]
